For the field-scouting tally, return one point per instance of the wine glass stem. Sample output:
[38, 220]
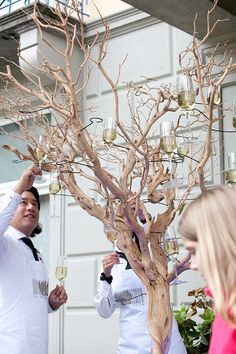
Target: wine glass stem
[175, 268]
[171, 167]
[108, 156]
[188, 123]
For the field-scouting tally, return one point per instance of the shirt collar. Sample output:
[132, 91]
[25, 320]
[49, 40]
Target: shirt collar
[14, 233]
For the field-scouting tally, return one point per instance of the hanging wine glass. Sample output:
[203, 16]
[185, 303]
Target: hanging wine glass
[182, 147]
[186, 101]
[54, 187]
[41, 156]
[234, 114]
[182, 151]
[171, 248]
[109, 135]
[214, 95]
[167, 146]
[230, 174]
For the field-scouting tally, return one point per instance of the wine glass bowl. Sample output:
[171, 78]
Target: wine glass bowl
[61, 268]
[168, 145]
[186, 101]
[182, 147]
[185, 93]
[214, 95]
[109, 132]
[41, 157]
[171, 248]
[230, 173]
[54, 183]
[234, 114]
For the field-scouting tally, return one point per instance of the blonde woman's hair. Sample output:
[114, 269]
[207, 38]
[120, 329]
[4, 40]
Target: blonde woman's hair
[211, 221]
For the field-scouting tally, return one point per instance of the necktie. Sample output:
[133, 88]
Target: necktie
[122, 255]
[30, 244]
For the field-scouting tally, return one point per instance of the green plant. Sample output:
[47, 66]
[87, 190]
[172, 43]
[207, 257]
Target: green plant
[196, 333]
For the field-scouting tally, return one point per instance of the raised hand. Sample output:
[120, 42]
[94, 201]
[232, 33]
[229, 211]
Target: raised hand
[27, 179]
[109, 261]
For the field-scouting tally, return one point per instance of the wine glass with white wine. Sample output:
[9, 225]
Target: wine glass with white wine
[234, 114]
[214, 95]
[41, 156]
[61, 268]
[167, 146]
[54, 187]
[171, 248]
[230, 173]
[186, 101]
[109, 135]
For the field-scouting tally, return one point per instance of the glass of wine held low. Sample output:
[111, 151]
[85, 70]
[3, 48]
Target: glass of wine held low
[171, 248]
[61, 268]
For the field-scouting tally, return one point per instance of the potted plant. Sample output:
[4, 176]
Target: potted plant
[194, 322]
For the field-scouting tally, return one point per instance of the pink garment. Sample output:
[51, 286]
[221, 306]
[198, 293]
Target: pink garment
[223, 338]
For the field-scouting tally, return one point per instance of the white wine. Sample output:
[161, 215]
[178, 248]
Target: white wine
[40, 154]
[171, 247]
[109, 135]
[234, 122]
[230, 176]
[182, 150]
[168, 144]
[186, 100]
[54, 187]
[61, 273]
[216, 98]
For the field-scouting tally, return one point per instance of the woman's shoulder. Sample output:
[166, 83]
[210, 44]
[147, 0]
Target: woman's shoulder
[223, 340]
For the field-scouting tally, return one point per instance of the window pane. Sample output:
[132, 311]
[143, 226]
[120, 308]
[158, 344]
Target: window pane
[11, 171]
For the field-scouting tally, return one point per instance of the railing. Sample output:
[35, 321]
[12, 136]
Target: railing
[8, 6]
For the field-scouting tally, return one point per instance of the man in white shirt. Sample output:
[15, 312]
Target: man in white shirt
[24, 300]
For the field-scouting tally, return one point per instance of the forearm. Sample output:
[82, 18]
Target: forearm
[104, 300]
[8, 206]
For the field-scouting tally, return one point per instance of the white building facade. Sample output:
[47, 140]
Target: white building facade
[152, 47]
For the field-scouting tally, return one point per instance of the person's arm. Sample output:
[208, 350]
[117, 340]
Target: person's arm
[104, 300]
[12, 199]
[8, 206]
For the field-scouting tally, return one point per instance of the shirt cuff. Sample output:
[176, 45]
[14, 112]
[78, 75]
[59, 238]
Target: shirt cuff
[105, 288]
[11, 200]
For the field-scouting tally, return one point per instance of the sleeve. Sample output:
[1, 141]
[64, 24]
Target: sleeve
[8, 206]
[50, 310]
[104, 300]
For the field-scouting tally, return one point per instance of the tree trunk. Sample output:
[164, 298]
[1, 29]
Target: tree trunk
[159, 314]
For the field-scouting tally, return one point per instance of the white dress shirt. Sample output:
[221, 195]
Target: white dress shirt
[23, 289]
[128, 293]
